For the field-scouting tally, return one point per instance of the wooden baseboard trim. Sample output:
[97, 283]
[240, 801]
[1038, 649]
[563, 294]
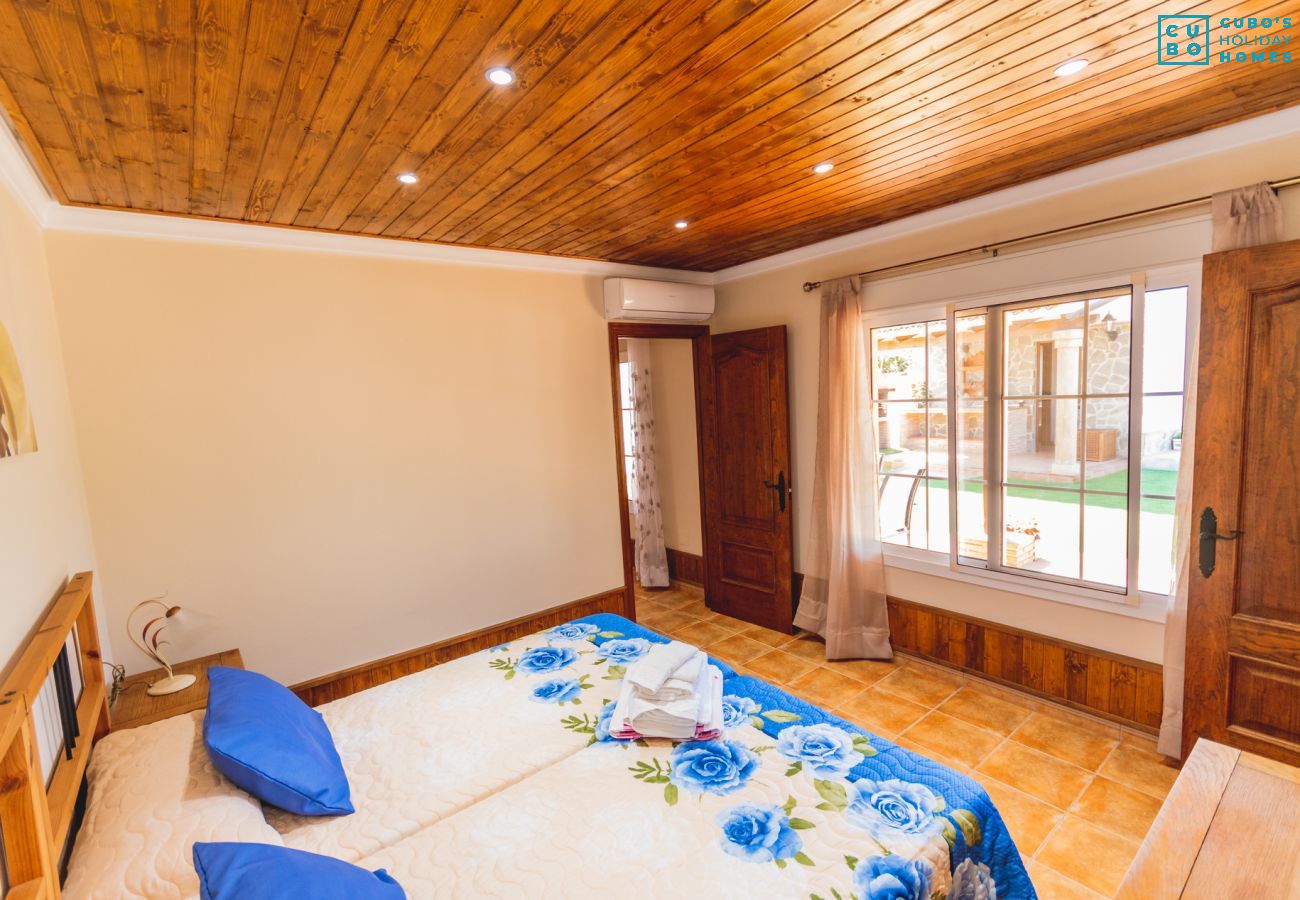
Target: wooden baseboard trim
[687, 567]
[367, 675]
[1119, 688]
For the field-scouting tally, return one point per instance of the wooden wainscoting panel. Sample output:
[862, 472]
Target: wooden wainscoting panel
[687, 567]
[1115, 687]
[372, 674]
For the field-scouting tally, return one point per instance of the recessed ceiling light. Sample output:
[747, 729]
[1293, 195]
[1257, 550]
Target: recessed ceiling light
[823, 167]
[408, 178]
[500, 75]
[680, 224]
[1073, 67]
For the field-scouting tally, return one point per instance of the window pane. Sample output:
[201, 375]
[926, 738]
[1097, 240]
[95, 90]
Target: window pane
[937, 505]
[1164, 340]
[629, 473]
[900, 438]
[625, 384]
[971, 354]
[902, 511]
[937, 360]
[1156, 554]
[1040, 440]
[1109, 326]
[936, 442]
[898, 362]
[1041, 531]
[629, 432]
[1042, 349]
[972, 520]
[1106, 445]
[1105, 540]
[1162, 444]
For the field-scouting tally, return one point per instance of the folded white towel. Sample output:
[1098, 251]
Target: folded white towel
[662, 662]
[682, 685]
[677, 719]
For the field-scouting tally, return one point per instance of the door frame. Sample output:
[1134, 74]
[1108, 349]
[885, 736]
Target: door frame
[702, 355]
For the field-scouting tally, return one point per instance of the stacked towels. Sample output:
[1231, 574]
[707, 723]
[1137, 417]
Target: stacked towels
[671, 692]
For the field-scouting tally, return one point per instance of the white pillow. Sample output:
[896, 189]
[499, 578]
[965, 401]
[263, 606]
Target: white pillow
[153, 793]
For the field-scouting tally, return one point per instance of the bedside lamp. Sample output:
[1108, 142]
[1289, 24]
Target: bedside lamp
[151, 642]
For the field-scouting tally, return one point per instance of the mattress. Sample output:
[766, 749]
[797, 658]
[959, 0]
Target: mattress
[153, 793]
[427, 745]
[495, 776]
[790, 802]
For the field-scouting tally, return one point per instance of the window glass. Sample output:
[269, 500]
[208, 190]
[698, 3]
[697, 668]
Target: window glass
[1064, 453]
[1164, 367]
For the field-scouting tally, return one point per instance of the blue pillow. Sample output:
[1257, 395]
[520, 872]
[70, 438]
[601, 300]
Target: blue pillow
[266, 872]
[271, 744]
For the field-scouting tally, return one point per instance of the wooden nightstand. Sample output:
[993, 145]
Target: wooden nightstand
[135, 707]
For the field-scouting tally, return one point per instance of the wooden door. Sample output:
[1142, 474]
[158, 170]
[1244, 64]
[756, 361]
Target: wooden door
[1243, 632]
[748, 508]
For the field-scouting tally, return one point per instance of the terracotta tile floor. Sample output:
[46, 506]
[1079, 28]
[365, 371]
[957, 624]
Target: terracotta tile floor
[1077, 793]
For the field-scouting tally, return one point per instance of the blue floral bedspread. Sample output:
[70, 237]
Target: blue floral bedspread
[895, 825]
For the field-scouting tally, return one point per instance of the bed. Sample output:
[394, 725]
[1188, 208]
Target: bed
[494, 776]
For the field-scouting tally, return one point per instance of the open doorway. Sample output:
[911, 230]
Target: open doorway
[660, 454]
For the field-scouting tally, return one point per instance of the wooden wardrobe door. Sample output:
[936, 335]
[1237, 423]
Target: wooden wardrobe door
[1243, 631]
[748, 506]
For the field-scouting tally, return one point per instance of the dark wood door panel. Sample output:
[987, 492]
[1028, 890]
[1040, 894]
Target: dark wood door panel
[744, 401]
[750, 567]
[1264, 702]
[746, 463]
[1269, 569]
[1243, 664]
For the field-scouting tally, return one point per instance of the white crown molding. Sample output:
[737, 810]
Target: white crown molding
[1159, 156]
[17, 173]
[214, 231]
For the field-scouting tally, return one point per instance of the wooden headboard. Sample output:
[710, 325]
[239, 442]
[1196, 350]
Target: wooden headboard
[52, 708]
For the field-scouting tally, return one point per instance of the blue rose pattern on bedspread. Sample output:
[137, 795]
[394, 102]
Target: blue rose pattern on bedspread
[911, 813]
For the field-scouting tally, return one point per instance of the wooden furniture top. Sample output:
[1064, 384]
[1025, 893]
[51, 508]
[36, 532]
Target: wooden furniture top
[135, 707]
[623, 117]
[1227, 829]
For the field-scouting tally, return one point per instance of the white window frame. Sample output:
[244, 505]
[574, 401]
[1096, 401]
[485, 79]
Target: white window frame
[1134, 603]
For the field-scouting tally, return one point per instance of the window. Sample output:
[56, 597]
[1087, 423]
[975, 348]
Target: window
[629, 432]
[1065, 437]
[909, 384]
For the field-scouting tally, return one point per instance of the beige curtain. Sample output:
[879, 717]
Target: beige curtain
[651, 554]
[844, 586]
[1245, 217]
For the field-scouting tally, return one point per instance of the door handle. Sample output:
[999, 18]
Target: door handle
[780, 489]
[1210, 538]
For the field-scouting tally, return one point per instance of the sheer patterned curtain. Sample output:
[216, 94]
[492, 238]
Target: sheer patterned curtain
[651, 555]
[844, 586]
[1245, 217]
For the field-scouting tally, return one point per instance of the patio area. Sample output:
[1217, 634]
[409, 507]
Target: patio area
[1047, 522]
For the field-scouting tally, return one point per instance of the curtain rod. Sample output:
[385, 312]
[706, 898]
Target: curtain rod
[994, 249]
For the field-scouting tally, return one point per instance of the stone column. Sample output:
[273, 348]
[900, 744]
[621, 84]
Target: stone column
[1067, 345]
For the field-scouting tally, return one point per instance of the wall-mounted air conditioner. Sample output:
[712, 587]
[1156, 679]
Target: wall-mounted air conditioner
[657, 301]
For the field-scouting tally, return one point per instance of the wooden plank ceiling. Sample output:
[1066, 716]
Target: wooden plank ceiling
[625, 117]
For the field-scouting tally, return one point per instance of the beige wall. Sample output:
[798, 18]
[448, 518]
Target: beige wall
[775, 297]
[673, 366]
[337, 457]
[44, 529]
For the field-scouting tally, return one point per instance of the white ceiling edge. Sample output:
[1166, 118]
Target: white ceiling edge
[1269, 126]
[17, 173]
